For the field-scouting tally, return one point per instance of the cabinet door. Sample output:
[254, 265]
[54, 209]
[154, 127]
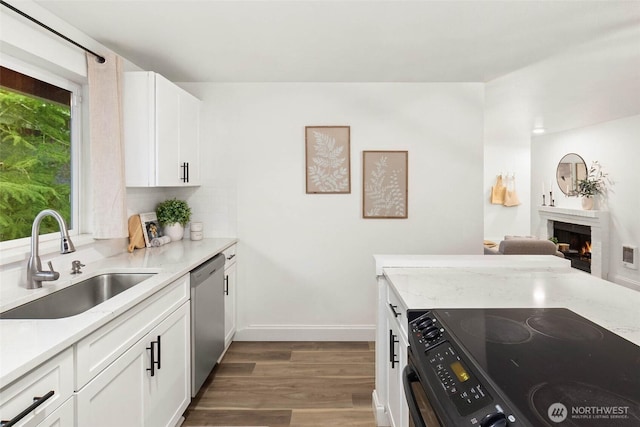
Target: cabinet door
[190, 138]
[169, 390]
[394, 387]
[117, 395]
[230, 303]
[138, 128]
[167, 132]
[398, 410]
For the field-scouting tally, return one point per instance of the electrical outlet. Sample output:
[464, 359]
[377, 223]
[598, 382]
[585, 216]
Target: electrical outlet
[630, 256]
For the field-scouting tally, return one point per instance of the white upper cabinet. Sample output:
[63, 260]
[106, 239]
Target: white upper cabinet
[161, 132]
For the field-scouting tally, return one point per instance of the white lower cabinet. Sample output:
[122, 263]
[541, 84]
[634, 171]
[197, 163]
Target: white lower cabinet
[391, 357]
[230, 295]
[398, 409]
[102, 347]
[148, 385]
[133, 371]
[136, 370]
[50, 384]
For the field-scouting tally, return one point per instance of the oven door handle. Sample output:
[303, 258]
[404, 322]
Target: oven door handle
[409, 377]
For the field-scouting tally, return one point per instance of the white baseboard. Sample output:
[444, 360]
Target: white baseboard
[306, 333]
[626, 282]
[378, 410]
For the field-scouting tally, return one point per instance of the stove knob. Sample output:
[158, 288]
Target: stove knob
[431, 333]
[497, 419]
[425, 324]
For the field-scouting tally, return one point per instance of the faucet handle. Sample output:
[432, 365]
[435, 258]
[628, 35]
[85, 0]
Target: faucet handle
[51, 274]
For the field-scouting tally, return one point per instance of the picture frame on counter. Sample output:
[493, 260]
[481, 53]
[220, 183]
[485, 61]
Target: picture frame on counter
[328, 159]
[384, 184]
[150, 227]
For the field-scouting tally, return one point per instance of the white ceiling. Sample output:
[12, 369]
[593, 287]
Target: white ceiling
[341, 41]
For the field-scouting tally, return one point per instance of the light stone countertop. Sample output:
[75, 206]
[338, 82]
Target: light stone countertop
[25, 344]
[431, 282]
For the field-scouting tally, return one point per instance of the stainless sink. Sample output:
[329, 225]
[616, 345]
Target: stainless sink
[77, 298]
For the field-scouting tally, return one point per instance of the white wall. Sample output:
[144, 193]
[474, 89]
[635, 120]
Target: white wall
[499, 220]
[615, 145]
[594, 83]
[305, 261]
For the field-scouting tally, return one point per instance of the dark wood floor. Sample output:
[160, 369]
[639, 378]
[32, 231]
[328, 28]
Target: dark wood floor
[280, 384]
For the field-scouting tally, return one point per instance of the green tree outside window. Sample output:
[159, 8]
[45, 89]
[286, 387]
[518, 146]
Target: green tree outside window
[35, 162]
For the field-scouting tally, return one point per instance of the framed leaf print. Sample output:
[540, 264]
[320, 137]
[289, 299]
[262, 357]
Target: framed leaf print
[328, 159]
[384, 183]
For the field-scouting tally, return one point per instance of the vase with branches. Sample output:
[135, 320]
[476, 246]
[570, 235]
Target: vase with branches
[593, 185]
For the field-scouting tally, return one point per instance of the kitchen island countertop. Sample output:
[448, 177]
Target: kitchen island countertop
[432, 282]
[24, 344]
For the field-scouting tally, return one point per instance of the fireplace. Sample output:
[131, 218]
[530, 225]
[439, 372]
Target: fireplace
[574, 242]
[578, 221]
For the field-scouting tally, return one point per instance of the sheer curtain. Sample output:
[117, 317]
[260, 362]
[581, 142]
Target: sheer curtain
[106, 146]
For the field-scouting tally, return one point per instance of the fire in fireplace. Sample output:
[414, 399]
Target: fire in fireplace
[579, 239]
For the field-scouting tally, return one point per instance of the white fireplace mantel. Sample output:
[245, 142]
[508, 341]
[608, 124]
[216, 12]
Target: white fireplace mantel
[597, 220]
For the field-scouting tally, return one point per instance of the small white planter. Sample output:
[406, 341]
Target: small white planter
[174, 231]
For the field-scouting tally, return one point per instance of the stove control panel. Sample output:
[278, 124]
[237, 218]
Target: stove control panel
[462, 387]
[451, 376]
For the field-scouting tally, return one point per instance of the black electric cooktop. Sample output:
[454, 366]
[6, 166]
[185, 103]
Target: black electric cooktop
[540, 358]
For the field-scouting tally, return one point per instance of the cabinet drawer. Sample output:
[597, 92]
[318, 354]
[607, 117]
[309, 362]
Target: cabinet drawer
[229, 256]
[102, 347]
[63, 416]
[54, 375]
[397, 309]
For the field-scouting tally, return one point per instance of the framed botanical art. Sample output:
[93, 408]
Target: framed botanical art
[384, 182]
[328, 159]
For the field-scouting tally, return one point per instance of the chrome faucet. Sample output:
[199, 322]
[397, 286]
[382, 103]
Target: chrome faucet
[35, 275]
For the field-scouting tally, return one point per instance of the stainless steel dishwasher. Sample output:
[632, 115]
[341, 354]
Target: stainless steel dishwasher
[207, 319]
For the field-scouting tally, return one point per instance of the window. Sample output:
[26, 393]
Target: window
[37, 150]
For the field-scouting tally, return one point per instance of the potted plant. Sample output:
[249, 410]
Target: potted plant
[592, 185]
[173, 215]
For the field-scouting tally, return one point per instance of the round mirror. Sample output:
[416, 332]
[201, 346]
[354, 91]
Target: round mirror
[571, 169]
